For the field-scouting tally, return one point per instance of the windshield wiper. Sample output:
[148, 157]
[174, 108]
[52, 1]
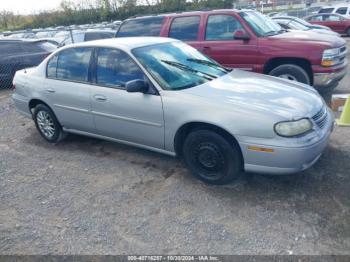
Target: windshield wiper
[208, 63]
[270, 33]
[189, 69]
[274, 32]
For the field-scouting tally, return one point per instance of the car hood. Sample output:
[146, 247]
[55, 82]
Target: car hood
[315, 26]
[307, 36]
[268, 95]
[324, 31]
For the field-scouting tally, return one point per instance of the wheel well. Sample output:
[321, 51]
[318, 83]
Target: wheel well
[34, 102]
[184, 130]
[303, 63]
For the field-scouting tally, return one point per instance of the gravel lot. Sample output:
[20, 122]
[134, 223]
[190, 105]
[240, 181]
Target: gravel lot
[87, 196]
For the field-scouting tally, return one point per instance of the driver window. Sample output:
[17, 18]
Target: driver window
[114, 68]
[316, 18]
[221, 27]
[330, 18]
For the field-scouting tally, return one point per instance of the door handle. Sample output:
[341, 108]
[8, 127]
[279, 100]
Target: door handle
[100, 98]
[206, 48]
[50, 90]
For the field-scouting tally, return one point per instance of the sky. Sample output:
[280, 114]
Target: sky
[28, 6]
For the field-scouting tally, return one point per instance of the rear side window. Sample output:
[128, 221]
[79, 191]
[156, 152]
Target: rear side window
[89, 36]
[73, 64]
[315, 18]
[221, 27]
[342, 10]
[331, 18]
[30, 48]
[141, 27]
[326, 10]
[10, 48]
[284, 26]
[52, 66]
[185, 28]
[115, 68]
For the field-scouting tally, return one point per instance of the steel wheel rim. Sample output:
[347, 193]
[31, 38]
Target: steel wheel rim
[210, 160]
[45, 124]
[288, 76]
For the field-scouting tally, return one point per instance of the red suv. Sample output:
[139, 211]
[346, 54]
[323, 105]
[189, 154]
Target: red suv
[337, 23]
[250, 41]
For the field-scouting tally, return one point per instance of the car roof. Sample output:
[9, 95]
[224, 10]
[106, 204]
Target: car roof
[189, 13]
[22, 40]
[341, 5]
[284, 17]
[125, 43]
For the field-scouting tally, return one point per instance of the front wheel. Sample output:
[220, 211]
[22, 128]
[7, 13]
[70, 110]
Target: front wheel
[211, 158]
[47, 124]
[291, 72]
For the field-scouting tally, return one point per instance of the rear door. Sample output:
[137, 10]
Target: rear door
[186, 28]
[317, 19]
[220, 45]
[67, 88]
[334, 22]
[131, 117]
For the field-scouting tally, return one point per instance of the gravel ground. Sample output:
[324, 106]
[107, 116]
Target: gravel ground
[87, 196]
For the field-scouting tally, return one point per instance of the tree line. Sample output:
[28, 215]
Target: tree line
[93, 11]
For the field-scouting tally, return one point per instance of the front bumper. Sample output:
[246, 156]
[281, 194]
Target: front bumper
[284, 159]
[325, 80]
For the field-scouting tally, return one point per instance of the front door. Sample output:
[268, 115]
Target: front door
[220, 45]
[131, 117]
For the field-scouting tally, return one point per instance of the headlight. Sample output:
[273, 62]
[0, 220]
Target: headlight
[293, 128]
[330, 57]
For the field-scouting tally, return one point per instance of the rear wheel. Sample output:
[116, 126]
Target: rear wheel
[211, 158]
[47, 124]
[291, 72]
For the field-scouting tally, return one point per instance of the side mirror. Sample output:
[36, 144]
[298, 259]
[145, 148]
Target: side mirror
[241, 34]
[138, 85]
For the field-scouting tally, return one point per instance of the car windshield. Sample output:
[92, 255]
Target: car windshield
[297, 26]
[177, 66]
[47, 46]
[261, 24]
[301, 21]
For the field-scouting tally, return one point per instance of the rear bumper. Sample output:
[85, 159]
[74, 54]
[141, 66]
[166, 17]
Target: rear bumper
[22, 105]
[324, 80]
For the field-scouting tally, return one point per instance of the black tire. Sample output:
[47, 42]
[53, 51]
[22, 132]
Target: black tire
[291, 72]
[44, 113]
[211, 158]
[348, 32]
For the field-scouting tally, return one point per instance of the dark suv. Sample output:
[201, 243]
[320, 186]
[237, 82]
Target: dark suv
[19, 54]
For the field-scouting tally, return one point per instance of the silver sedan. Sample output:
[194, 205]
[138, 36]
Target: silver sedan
[163, 95]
